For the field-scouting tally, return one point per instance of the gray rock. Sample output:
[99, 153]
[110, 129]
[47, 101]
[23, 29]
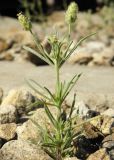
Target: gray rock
[8, 131]
[21, 98]
[8, 114]
[22, 150]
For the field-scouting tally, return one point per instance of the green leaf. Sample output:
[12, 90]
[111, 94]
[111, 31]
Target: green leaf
[70, 85]
[72, 107]
[50, 116]
[41, 56]
[49, 145]
[40, 93]
[48, 91]
[79, 42]
[41, 129]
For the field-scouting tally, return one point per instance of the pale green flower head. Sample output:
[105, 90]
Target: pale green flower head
[53, 39]
[25, 22]
[71, 13]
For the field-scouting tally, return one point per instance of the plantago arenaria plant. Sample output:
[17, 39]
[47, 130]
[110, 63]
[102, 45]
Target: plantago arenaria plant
[58, 143]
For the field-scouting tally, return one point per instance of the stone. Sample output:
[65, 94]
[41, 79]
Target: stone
[41, 117]
[8, 114]
[71, 158]
[21, 98]
[98, 155]
[7, 56]
[83, 110]
[28, 131]
[104, 124]
[8, 131]
[99, 59]
[81, 58]
[96, 101]
[84, 146]
[109, 112]
[1, 94]
[3, 45]
[22, 150]
[1, 142]
[80, 109]
[95, 46]
[108, 142]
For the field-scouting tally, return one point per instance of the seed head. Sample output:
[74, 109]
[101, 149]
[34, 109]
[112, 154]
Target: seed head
[71, 13]
[25, 22]
[53, 39]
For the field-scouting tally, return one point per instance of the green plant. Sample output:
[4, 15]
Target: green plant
[59, 142]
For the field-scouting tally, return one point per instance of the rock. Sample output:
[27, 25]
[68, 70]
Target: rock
[80, 109]
[6, 56]
[81, 58]
[8, 114]
[108, 142]
[109, 112]
[95, 46]
[83, 110]
[22, 150]
[98, 155]
[104, 124]
[98, 60]
[91, 132]
[7, 131]
[85, 146]
[1, 142]
[28, 131]
[41, 117]
[1, 94]
[3, 45]
[71, 158]
[21, 99]
[112, 61]
[96, 101]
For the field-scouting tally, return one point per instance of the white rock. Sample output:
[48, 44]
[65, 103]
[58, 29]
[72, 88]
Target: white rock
[81, 109]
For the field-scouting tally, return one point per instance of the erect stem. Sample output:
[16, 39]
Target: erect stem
[58, 156]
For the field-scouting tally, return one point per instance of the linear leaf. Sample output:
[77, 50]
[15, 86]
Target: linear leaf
[50, 116]
[79, 42]
[37, 54]
[40, 93]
